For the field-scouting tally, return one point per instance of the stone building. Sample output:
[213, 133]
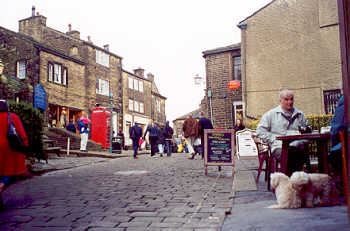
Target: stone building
[291, 45]
[76, 75]
[140, 101]
[221, 104]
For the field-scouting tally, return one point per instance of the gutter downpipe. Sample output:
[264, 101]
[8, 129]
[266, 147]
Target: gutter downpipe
[243, 26]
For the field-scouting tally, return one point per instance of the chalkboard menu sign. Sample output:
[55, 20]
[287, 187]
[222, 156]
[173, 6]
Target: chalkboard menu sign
[218, 148]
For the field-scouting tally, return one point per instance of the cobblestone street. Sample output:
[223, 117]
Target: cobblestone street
[161, 193]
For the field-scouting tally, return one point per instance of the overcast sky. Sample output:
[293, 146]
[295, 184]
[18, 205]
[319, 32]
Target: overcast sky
[166, 38]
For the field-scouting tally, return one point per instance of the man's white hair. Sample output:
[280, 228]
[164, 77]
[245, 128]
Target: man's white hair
[285, 92]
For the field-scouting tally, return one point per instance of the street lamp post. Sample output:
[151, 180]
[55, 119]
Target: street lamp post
[198, 80]
[111, 122]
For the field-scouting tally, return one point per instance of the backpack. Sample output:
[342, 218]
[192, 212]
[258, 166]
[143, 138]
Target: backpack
[133, 133]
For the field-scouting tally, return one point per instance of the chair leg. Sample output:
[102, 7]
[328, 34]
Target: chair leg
[262, 158]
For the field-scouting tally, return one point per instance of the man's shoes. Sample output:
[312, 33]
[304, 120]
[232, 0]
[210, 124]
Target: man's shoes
[135, 157]
[161, 155]
[192, 157]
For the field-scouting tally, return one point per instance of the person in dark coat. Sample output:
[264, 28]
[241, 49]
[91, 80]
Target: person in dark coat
[71, 127]
[204, 123]
[168, 138]
[153, 136]
[239, 125]
[161, 140]
[135, 133]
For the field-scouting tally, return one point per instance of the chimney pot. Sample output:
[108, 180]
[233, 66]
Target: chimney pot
[69, 27]
[106, 47]
[33, 11]
[37, 14]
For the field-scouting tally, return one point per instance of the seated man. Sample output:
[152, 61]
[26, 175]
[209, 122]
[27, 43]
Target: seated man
[285, 119]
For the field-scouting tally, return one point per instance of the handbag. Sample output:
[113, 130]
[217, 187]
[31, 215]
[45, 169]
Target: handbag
[15, 141]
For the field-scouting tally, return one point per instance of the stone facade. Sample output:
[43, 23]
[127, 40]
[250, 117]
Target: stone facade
[290, 45]
[93, 74]
[223, 105]
[145, 96]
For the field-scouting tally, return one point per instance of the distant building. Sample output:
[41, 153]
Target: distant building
[75, 74]
[291, 45]
[140, 101]
[222, 65]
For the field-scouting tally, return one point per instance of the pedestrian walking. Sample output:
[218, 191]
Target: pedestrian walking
[190, 129]
[161, 140]
[204, 123]
[153, 136]
[11, 163]
[71, 127]
[168, 138]
[135, 133]
[83, 126]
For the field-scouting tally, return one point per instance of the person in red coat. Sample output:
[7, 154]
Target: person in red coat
[11, 163]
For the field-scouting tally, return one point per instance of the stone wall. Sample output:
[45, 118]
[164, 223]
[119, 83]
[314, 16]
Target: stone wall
[219, 71]
[290, 45]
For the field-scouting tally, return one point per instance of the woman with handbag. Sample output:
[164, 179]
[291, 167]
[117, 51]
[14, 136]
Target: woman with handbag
[12, 163]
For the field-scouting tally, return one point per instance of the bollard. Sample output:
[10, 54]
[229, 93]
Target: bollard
[68, 145]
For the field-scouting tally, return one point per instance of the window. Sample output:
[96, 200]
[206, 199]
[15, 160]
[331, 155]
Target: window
[237, 68]
[136, 106]
[136, 84]
[131, 105]
[131, 83]
[102, 87]
[237, 111]
[331, 98]
[158, 105]
[50, 72]
[141, 86]
[21, 69]
[57, 74]
[102, 58]
[141, 108]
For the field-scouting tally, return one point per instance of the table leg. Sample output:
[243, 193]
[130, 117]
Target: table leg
[322, 156]
[284, 157]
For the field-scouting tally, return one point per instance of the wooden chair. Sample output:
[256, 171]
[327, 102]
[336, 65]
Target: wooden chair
[344, 166]
[264, 155]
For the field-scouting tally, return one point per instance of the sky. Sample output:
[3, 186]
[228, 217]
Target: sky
[166, 38]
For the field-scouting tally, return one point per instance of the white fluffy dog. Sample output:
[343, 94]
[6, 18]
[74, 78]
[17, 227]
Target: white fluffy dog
[286, 193]
[319, 189]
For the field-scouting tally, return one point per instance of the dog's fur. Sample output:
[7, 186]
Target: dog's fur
[286, 193]
[314, 188]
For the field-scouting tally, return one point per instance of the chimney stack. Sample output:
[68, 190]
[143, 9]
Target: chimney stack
[106, 47]
[150, 76]
[139, 72]
[33, 11]
[69, 27]
[89, 39]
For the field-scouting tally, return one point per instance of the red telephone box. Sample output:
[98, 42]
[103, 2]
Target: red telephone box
[101, 126]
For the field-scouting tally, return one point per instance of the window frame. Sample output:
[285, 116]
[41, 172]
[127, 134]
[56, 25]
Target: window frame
[237, 67]
[141, 86]
[131, 83]
[102, 58]
[101, 86]
[141, 105]
[131, 105]
[19, 70]
[63, 74]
